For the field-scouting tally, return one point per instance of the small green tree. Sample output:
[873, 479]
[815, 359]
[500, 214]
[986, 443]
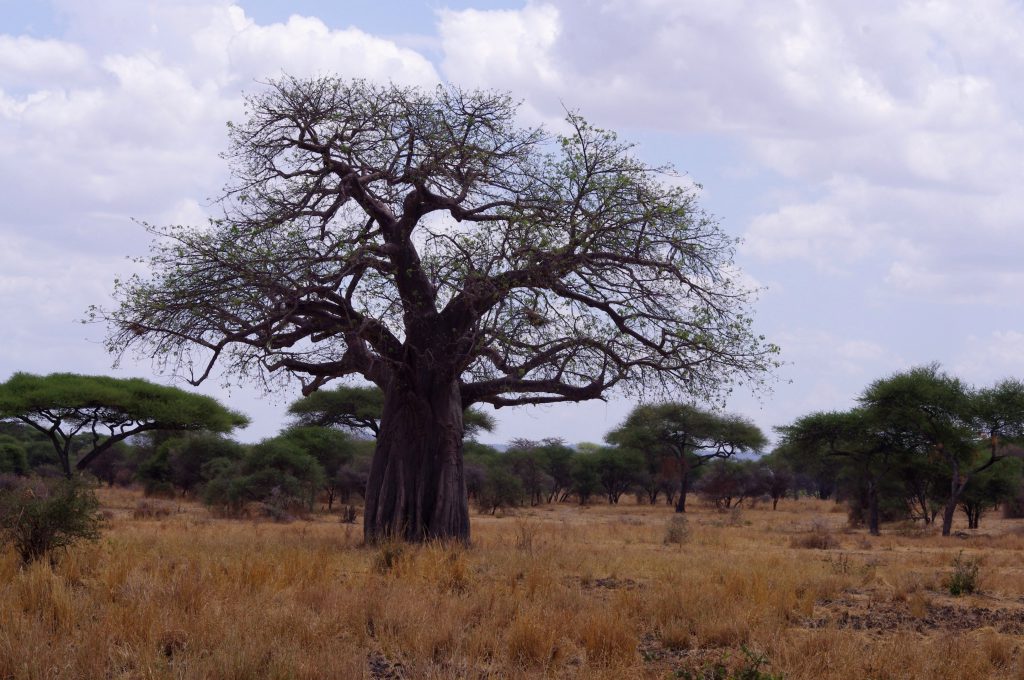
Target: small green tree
[39, 517]
[586, 478]
[275, 472]
[688, 435]
[179, 462]
[331, 448]
[86, 415]
[990, 488]
[526, 460]
[866, 449]
[501, 488]
[618, 470]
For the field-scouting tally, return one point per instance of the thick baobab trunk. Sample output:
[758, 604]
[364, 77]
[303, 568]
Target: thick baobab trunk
[417, 487]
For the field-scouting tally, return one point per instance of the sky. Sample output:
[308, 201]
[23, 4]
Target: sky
[869, 155]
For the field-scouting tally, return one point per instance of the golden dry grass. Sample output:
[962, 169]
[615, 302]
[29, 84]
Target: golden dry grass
[556, 591]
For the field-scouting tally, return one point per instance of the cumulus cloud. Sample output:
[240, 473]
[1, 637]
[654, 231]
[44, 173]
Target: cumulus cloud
[124, 118]
[914, 106]
[988, 358]
[881, 143]
[26, 61]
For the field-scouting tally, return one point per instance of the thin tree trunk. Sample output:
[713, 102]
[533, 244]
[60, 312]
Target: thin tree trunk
[684, 479]
[874, 522]
[956, 488]
[417, 488]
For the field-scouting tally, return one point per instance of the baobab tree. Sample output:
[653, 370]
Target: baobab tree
[427, 242]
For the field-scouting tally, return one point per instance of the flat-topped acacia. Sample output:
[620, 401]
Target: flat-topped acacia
[69, 408]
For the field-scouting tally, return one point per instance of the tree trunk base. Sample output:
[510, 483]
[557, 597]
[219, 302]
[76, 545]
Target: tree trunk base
[417, 489]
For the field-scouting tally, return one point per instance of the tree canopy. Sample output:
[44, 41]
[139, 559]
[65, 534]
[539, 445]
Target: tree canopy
[427, 242]
[687, 434]
[97, 412]
[922, 423]
[359, 409]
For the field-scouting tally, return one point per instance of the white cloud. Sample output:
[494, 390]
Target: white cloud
[26, 61]
[881, 144]
[124, 118]
[511, 46]
[988, 358]
[902, 122]
[818, 232]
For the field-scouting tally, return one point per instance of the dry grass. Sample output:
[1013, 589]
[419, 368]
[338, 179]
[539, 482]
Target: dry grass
[554, 592]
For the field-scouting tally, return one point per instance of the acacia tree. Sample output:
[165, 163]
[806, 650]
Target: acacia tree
[689, 435]
[856, 437]
[356, 409]
[86, 415]
[951, 422]
[428, 243]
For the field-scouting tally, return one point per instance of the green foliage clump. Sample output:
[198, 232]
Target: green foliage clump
[84, 416]
[500, 489]
[586, 477]
[182, 463]
[750, 668]
[677, 531]
[277, 473]
[38, 517]
[964, 579]
[13, 456]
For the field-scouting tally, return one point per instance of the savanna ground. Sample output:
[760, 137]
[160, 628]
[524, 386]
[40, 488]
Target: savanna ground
[557, 591]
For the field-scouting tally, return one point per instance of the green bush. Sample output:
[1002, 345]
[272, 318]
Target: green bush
[13, 457]
[678, 530]
[500, 489]
[38, 516]
[276, 473]
[965, 576]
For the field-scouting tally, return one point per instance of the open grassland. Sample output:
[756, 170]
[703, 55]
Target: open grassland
[557, 591]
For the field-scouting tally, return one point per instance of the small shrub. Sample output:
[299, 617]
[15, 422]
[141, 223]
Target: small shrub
[526, 533]
[530, 642]
[348, 514]
[677, 531]
[840, 564]
[1014, 508]
[965, 576]
[40, 517]
[818, 538]
[675, 635]
[150, 509]
[748, 669]
[387, 558]
[13, 458]
[276, 512]
[751, 668]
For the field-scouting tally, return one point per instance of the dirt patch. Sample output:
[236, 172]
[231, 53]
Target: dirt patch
[612, 583]
[860, 613]
[381, 668]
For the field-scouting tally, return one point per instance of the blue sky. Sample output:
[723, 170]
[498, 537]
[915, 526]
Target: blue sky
[870, 155]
